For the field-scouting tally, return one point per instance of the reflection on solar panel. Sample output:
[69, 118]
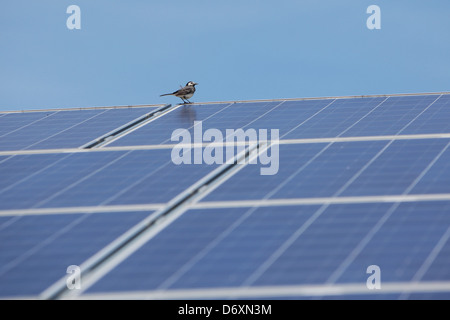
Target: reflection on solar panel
[362, 181]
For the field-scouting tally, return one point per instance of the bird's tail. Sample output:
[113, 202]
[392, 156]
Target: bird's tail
[166, 94]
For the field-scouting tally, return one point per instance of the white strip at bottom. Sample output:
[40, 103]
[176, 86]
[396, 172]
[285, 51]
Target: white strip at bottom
[276, 291]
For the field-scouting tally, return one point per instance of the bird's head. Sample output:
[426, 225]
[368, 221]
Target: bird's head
[191, 83]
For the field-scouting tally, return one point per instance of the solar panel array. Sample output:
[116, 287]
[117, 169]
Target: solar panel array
[361, 182]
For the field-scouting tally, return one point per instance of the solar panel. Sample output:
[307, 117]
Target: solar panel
[94, 178]
[35, 251]
[266, 247]
[62, 129]
[13, 122]
[212, 116]
[371, 116]
[362, 181]
[341, 169]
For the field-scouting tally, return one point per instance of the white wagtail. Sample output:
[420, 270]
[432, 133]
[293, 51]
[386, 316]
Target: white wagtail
[184, 93]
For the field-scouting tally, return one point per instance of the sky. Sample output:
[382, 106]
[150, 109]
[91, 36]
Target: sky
[128, 52]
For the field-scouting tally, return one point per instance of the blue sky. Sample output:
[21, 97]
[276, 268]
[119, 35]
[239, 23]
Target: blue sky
[130, 52]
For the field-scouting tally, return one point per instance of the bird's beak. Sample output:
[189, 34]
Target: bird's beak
[195, 83]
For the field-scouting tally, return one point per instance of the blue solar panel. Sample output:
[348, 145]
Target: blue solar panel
[328, 213]
[371, 116]
[398, 167]
[95, 178]
[270, 246]
[13, 122]
[330, 121]
[219, 116]
[62, 129]
[35, 251]
[435, 119]
[313, 170]
[15, 168]
[307, 118]
[403, 244]
[391, 117]
[437, 179]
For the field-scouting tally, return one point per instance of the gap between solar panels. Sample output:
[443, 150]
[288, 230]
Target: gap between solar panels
[117, 251]
[132, 125]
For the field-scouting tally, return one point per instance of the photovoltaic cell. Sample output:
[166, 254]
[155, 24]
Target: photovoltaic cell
[35, 251]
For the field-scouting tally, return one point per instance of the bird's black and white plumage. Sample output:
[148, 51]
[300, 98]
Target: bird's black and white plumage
[184, 93]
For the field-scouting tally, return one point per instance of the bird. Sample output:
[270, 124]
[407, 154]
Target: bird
[184, 93]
